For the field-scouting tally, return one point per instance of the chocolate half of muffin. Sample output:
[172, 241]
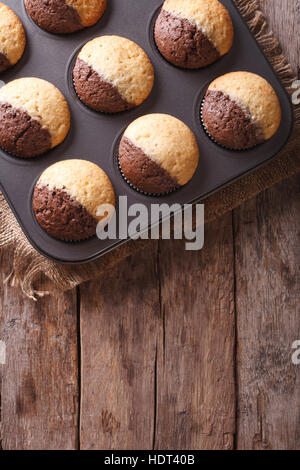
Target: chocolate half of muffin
[55, 16]
[240, 111]
[144, 173]
[61, 215]
[193, 33]
[34, 117]
[158, 154]
[112, 74]
[228, 123]
[182, 43]
[67, 197]
[20, 134]
[96, 92]
[65, 16]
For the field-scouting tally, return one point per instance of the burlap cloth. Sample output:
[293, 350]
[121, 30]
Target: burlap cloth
[28, 265]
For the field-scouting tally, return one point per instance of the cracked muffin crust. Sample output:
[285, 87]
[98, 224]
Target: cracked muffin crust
[158, 153]
[112, 74]
[241, 110]
[34, 117]
[12, 38]
[67, 196]
[193, 33]
[65, 16]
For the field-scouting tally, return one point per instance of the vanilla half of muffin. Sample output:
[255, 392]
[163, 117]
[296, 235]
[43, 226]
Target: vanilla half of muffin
[112, 74]
[158, 153]
[193, 33]
[34, 117]
[12, 38]
[241, 110]
[65, 16]
[67, 198]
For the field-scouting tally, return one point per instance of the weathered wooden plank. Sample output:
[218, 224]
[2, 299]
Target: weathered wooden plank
[120, 321]
[267, 286]
[39, 381]
[284, 20]
[195, 369]
[267, 304]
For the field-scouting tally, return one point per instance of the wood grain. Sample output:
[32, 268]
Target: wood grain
[120, 330]
[267, 291]
[39, 382]
[157, 342]
[284, 20]
[267, 304]
[195, 370]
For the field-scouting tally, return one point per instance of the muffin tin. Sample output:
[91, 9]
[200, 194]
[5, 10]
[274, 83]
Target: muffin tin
[95, 136]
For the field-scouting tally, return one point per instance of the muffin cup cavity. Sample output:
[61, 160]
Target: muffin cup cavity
[32, 157]
[74, 242]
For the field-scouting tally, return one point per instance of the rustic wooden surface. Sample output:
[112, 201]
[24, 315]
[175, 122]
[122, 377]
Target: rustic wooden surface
[267, 291]
[268, 321]
[195, 366]
[172, 350]
[39, 383]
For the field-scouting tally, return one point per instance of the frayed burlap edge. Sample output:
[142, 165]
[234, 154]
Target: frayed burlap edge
[28, 265]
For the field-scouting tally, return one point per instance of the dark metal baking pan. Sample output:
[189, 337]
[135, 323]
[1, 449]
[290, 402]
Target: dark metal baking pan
[94, 136]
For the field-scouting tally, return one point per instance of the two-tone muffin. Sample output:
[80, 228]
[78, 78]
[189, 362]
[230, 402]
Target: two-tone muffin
[34, 117]
[65, 16]
[67, 198]
[158, 153]
[112, 74]
[241, 110]
[12, 38]
[193, 33]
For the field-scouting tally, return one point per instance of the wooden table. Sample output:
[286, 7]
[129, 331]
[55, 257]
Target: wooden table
[173, 349]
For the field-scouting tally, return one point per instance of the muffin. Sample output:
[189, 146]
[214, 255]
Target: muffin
[112, 74]
[158, 154]
[34, 117]
[12, 38]
[65, 16]
[241, 110]
[193, 33]
[67, 196]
